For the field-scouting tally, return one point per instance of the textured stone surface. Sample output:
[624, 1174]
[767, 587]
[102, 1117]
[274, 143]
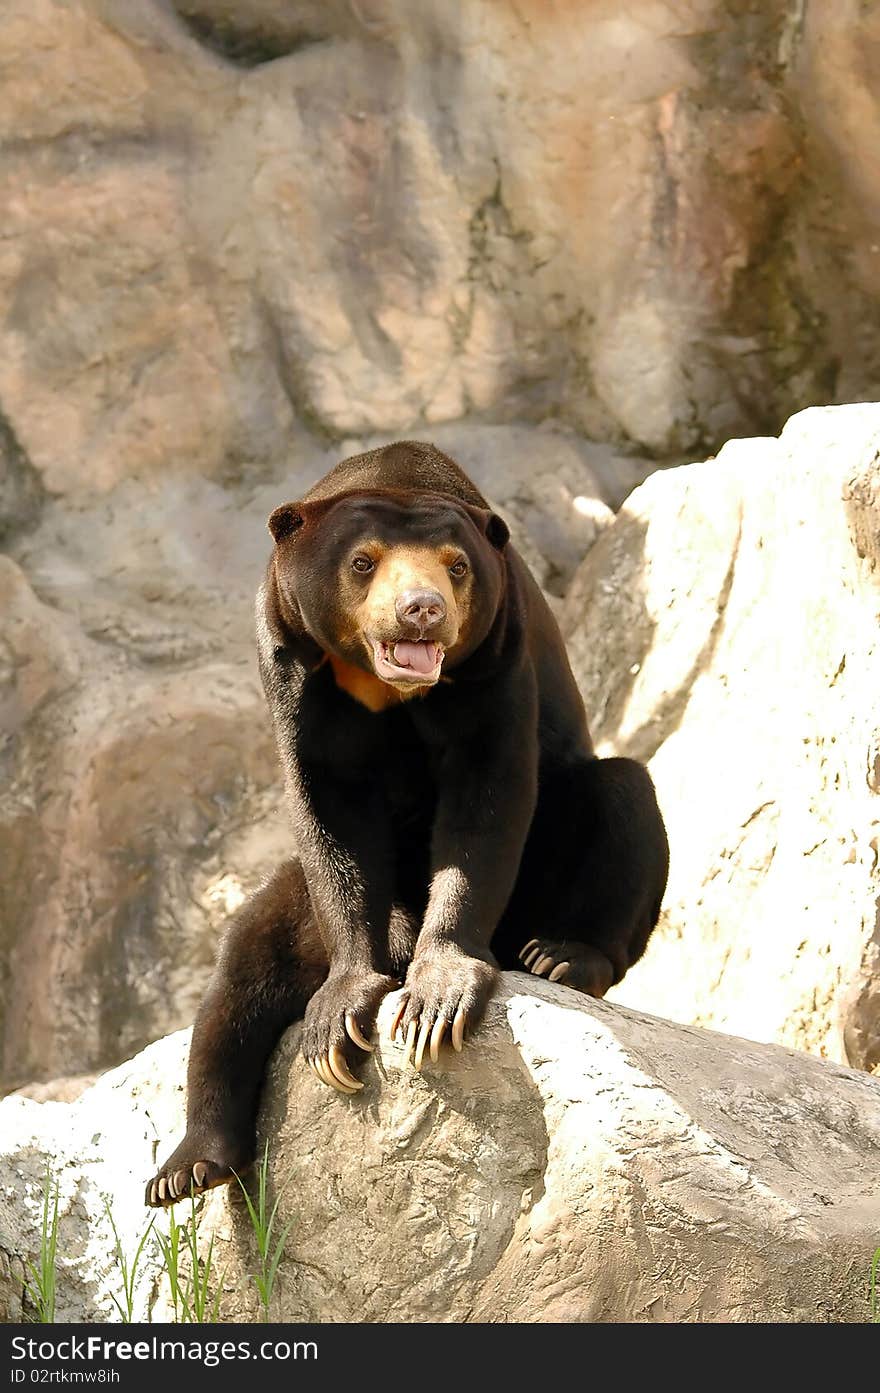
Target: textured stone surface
[223, 219]
[577, 1162]
[726, 629]
[114, 884]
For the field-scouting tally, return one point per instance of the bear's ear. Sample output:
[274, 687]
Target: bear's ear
[494, 528]
[497, 531]
[285, 520]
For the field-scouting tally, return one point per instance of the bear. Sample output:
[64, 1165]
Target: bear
[451, 816]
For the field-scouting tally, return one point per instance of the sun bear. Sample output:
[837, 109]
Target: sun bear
[451, 817]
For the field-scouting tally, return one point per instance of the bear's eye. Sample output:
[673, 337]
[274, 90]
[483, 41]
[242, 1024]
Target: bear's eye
[459, 569]
[362, 564]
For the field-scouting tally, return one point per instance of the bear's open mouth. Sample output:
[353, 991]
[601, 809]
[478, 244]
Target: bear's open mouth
[408, 660]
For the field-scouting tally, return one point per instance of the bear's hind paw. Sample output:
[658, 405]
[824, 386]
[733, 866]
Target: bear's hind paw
[180, 1180]
[572, 964]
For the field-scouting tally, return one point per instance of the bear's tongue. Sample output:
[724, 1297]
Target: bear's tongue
[421, 657]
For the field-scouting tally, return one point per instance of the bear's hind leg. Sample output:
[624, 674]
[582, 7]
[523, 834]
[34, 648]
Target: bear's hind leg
[592, 879]
[271, 963]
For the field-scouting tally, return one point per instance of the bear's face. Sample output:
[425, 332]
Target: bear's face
[399, 586]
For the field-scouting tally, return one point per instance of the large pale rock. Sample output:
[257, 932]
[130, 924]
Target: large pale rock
[577, 1162]
[726, 629]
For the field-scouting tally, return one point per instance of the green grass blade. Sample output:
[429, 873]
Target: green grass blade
[196, 1305]
[41, 1292]
[128, 1269]
[264, 1229]
[169, 1246]
[276, 1259]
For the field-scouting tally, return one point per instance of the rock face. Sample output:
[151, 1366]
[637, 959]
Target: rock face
[113, 884]
[726, 630]
[578, 1162]
[225, 218]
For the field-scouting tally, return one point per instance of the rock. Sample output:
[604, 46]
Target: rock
[725, 628]
[578, 1162]
[224, 221]
[114, 885]
[95, 1149]
[21, 494]
[63, 1090]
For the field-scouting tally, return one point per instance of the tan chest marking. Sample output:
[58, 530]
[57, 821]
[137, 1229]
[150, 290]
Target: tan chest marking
[370, 691]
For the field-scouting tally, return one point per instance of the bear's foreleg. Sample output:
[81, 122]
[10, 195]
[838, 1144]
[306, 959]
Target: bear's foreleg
[346, 848]
[482, 821]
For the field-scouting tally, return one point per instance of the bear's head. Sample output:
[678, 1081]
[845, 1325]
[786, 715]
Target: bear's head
[400, 586]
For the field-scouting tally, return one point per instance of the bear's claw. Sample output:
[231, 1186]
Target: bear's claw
[427, 1033]
[338, 1016]
[577, 965]
[444, 992]
[172, 1185]
[332, 1069]
[355, 1033]
[538, 961]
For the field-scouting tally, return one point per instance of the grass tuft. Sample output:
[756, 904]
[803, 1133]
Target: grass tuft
[189, 1281]
[875, 1287]
[40, 1291]
[202, 1309]
[169, 1245]
[127, 1270]
[263, 1225]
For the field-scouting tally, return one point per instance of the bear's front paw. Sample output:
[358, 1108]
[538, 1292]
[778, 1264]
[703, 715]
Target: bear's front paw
[445, 989]
[341, 1015]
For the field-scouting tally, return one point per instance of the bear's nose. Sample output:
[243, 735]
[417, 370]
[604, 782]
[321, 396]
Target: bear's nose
[422, 607]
